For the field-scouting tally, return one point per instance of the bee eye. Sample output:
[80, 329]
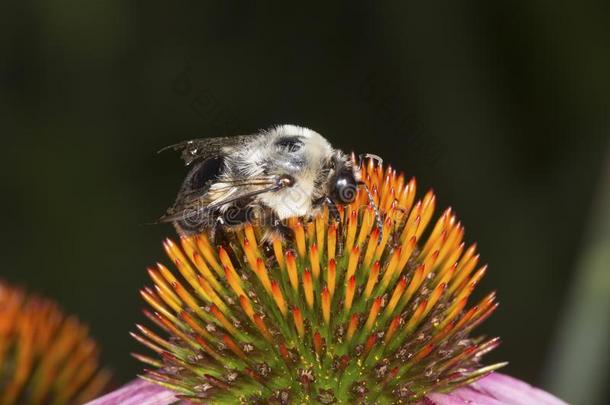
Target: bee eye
[289, 144]
[345, 188]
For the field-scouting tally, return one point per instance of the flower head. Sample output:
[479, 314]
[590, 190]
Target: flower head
[345, 312]
[46, 357]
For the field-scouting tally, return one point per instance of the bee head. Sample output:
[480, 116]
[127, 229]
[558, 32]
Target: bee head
[343, 184]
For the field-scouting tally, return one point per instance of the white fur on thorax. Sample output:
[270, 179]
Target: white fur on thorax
[297, 200]
[291, 201]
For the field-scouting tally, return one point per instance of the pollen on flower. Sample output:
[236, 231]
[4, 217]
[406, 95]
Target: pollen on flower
[46, 357]
[343, 312]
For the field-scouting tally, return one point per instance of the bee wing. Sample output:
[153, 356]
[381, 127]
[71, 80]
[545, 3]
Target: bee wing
[195, 207]
[204, 148]
[227, 184]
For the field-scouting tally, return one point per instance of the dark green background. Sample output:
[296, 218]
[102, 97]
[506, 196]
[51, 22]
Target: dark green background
[500, 107]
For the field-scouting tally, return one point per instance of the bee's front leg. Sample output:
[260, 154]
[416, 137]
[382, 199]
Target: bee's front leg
[332, 207]
[333, 210]
[334, 215]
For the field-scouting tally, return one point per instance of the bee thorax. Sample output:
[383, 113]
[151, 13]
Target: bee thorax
[291, 201]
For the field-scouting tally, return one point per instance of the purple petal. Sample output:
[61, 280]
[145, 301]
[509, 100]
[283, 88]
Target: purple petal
[495, 389]
[137, 392]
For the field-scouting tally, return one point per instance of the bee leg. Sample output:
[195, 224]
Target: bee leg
[332, 209]
[217, 230]
[334, 214]
[378, 220]
[280, 229]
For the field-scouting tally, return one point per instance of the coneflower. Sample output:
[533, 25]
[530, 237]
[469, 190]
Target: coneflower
[342, 313]
[46, 357]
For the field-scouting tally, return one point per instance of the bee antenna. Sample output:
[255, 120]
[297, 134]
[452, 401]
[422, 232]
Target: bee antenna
[378, 220]
[371, 156]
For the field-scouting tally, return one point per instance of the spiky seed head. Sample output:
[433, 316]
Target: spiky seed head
[46, 357]
[342, 313]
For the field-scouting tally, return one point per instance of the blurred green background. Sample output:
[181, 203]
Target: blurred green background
[502, 107]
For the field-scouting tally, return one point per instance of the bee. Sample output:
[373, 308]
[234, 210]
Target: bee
[263, 178]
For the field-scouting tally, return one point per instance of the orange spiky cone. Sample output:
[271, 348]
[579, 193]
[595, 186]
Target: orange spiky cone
[46, 357]
[343, 313]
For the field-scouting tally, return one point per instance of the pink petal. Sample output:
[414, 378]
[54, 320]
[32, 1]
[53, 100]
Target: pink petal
[495, 389]
[137, 392]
